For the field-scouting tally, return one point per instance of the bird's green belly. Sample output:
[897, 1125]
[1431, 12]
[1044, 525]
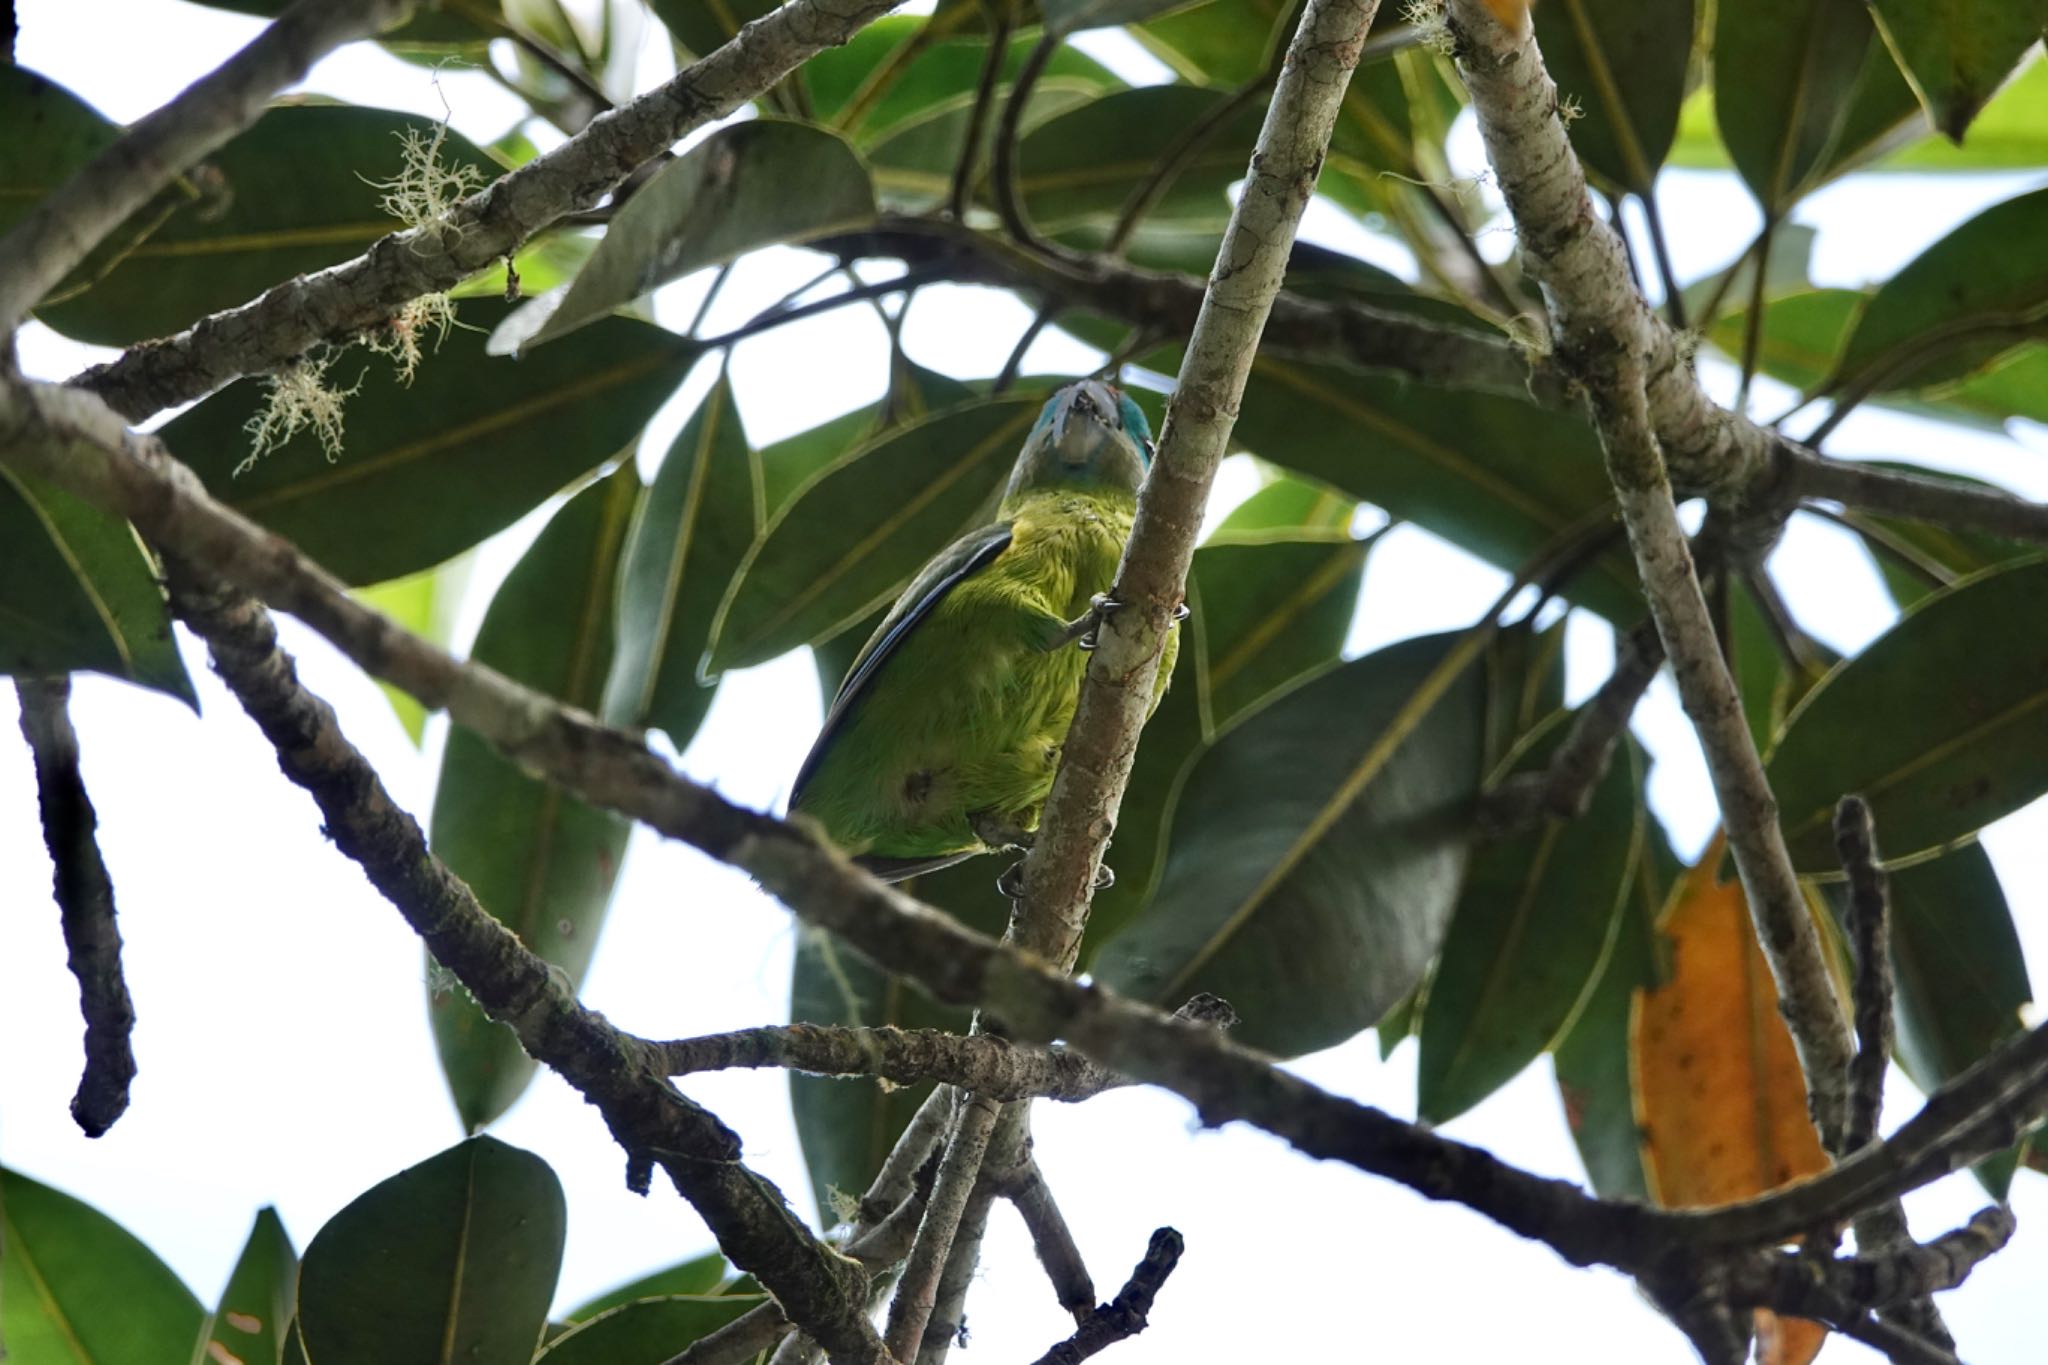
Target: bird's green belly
[968, 716]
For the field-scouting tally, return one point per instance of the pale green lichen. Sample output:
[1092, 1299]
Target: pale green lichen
[298, 398]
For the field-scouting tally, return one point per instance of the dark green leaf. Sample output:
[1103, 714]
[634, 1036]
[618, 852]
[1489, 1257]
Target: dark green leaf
[1959, 51]
[856, 531]
[1623, 62]
[848, 1125]
[1271, 606]
[697, 1276]
[1592, 1063]
[726, 196]
[1083, 164]
[1941, 724]
[1524, 685]
[1316, 850]
[52, 134]
[1801, 337]
[78, 593]
[76, 1288]
[690, 533]
[1784, 73]
[1967, 299]
[790, 463]
[702, 25]
[1916, 557]
[255, 1312]
[649, 1332]
[1499, 477]
[453, 1259]
[539, 859]
[940, 71]
[1287, 504]
[1072, 16]
[427, 471]
[2010, 134]
[1536, 918]
[298, 191]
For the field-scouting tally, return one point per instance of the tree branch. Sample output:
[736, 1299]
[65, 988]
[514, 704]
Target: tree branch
[85, 902]
[1124, 1316]
[654, 1123]
[74, 442]
[983, 1063]
[62, 229]
[343, 301]
[1051, 1238]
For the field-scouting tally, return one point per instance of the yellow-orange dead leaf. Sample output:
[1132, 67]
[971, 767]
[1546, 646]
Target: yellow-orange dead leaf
[1720, 1098]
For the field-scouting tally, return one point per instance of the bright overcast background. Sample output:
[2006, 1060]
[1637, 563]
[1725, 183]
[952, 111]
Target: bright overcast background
[282, 1039]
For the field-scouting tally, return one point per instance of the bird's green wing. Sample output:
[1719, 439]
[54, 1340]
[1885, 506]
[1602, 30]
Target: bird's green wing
[959, 561]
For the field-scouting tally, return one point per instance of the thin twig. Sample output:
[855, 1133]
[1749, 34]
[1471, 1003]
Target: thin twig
[1674, 295]
[60, 231]
[1563, 788]
[917, 1293]
[1753, 320]
[980, 1062]
[1125, 1315]
[998, 14]
[1013, 364]
[1870, 946]
[1051, 1238]
[342, 302]
[1914, 497]
[85, 903]
[1009, 194]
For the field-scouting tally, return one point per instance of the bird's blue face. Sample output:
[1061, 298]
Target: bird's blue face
[1088, 433]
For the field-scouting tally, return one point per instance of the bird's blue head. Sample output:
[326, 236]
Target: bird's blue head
[1088, 434]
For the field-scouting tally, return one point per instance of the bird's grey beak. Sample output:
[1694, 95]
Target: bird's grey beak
[1081, 425]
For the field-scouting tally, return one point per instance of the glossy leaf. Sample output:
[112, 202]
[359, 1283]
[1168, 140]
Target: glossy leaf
[1072, 16]
[1537, 916]
[726, 196]
[452, 1259]
[1084, 163]
[691, 531]
[1624, 63]
[789, 464]
[1592, 1062]
[1957, 52]
[1939, 751]
[76, 1288]
[1960, 977]
[1802, 333]
[78, 593]
[540, 860]
[429, 470]
[255, 1312]
[1524, 685]
[848, 1125]
[697, 1276]
[2009, 133]
[1722, 1099]
[704, 25]
[1462, 464]
[1784, 74]
[1971, 296]
[856, 531]
[940, 73]
[54, 133]
[1316, 851]
[298, 191]
[1271, 604]
[648, 1332]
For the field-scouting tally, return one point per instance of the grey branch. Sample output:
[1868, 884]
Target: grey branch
[1651, 413]
[982, 1063]
[651, 1120]
[60, 231]
[85, 903]
[1051, 1238]
[73, 441]
[1125, 1315]
[344, 301]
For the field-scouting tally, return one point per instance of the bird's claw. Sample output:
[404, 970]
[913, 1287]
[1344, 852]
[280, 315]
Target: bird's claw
[1099, 608]
[1011, 883]
[1180, 611]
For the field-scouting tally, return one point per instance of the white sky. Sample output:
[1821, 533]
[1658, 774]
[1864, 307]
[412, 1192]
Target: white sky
[283, 1042]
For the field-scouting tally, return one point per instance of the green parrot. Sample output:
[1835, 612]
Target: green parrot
[942, 740]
